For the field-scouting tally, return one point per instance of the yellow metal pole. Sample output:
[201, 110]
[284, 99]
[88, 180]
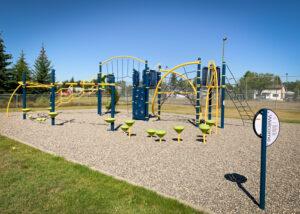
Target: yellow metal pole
[11, 96]
[166, 74]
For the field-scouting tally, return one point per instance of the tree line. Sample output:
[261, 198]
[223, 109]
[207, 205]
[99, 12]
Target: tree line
[11, 74]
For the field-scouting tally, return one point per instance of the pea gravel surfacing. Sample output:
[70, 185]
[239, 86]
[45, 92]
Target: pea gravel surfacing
[189, 171]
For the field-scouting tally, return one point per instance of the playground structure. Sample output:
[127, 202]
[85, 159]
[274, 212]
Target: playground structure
[204, 88]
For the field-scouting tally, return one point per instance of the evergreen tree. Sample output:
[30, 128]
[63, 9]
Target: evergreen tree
[72, 79]
[4, 62]
[20, 67]
[42, 68]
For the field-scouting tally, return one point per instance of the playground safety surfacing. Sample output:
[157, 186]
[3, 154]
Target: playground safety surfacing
[190, 171]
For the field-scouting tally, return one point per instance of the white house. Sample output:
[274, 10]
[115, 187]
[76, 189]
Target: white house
[271, 94]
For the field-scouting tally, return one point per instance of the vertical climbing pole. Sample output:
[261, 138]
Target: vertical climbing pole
[209, 91]
[24, 101]
[147, 85]
[52, 96]
[223, 88]
[99, 92]
[111, 80]
[198, 82]
[159, 94]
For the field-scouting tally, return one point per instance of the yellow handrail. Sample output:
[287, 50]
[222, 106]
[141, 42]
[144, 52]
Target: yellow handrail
[11, 96]
[176, 73]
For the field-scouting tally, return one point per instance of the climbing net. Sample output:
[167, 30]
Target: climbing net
[175, 84]
[122, 68]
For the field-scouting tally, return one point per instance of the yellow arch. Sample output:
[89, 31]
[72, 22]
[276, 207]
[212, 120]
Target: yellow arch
[173, 70]
[11, 96]
[123, 57]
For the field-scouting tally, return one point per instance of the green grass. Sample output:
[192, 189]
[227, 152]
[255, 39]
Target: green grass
[35, 182]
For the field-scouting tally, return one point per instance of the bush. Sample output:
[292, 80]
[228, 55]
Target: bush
[41, 101]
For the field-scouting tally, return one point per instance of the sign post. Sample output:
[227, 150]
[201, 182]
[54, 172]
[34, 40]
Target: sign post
[266, 126]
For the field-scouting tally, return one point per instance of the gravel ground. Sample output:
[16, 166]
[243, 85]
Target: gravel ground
[189, 171]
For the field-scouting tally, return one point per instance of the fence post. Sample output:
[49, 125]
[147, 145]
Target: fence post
[223, 88]
[24, 101]
[198, 82]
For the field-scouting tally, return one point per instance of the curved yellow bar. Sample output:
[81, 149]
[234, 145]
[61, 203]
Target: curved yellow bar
[213, 84]
[169, 72]
[123, 57]
[11, 96]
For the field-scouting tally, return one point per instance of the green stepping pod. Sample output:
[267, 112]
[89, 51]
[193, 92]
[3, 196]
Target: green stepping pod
[124, 128]
[53, 114]
[151, 132]
[110, 120]
[210, 122]
[160, 134]
[129, 123]
[205, 130]
[178, 129]
[25, 110]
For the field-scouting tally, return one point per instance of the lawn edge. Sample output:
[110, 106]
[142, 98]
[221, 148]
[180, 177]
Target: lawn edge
[119, 178]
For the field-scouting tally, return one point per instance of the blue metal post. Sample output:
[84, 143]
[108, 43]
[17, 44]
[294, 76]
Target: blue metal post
[99, 94]
[198, 86]
[147, 85]
[223, 88]
[263, 160]
[24, 101]
[159, 94]
[112, 94]
[52, 96]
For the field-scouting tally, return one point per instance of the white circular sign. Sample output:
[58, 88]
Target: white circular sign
[273, 126]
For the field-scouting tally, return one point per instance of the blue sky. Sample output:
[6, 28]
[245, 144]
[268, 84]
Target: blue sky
[263, 36]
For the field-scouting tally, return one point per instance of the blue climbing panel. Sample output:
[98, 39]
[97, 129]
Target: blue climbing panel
[138, 103]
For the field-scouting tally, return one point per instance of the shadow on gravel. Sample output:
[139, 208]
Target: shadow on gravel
[233, 124]
[239, 180]
[117, 128]
[64, 122]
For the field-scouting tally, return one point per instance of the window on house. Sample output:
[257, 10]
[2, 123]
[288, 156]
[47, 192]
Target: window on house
[275, 95]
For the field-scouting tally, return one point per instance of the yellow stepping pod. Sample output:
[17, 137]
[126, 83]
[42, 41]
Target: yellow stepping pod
[179, 129]
[205, 130]
[160, 134]
[129, 123]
